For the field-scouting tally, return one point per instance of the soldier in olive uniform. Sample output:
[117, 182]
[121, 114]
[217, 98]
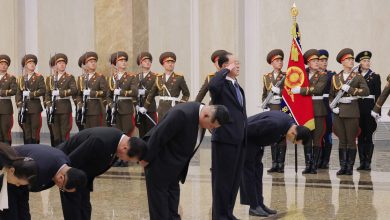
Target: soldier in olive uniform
[275, 59]
[124, 86]
[325, 151]
[316, 88]
[60, 86]
[31, 86]
[367, 123]
[204, 89]
[346, 114]
[168, 86]
[8, 88]
[94, 86]
[146, 80]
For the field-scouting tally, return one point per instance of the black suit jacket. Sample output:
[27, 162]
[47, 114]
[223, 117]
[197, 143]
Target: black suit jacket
[48, 159]
[171, 144]
[374, 84]
[223, 92]
[93, 150]
[268, 128]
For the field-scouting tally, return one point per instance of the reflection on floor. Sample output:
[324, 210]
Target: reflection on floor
[121, 193]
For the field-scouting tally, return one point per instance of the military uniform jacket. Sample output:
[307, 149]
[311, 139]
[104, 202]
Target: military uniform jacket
[67, 88]
[358, 87]
[382, 98]
[147, 82]
[374, 84]
[175, 84]
[268, 81]
[98, 86]
[8, 88]
[204, 89]
[37, 88]
[316, 89]
[129, 89]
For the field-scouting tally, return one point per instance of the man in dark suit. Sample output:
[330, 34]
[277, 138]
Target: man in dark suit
[94, 151]
[52, 167]
[172, 143]
[265, 129]
[228, 141]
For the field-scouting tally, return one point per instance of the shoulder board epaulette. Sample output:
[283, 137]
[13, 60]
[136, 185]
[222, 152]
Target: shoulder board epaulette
[159, 74]
[98, 74]
[10, 75]
[38, 74]
[212, 74]
[322, 73]
[178, 74]
[268, 74]
[130, 74]
[152, 73]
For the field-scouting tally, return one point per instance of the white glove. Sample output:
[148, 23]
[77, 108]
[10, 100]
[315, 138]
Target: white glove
[26, 93]
[141, 91]
[275, 90]
[296, 90]
[345, 87]
[375, 115]
[117, 91]
[55, 92]
[336, 110]
[142, 110]
[87, 92]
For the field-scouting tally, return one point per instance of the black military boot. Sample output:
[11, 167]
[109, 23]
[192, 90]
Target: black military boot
[281, 158]
[33, 141]
[327, 150]
[362, 156]
[351, 156]
[343, 161]
[308, 151]
[369, 153]
[274, 152]
[316, 154]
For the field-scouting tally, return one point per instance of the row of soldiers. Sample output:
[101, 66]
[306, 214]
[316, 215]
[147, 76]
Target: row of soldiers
[347, 103]
[100, 100]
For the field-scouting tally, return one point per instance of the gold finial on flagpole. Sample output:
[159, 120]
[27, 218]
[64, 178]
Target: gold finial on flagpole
[294, 12]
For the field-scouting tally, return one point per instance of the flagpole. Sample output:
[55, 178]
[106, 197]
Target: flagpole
[294, 14]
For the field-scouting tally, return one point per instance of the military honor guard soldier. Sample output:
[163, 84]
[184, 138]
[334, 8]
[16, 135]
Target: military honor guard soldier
[8, 88]
[31, 87]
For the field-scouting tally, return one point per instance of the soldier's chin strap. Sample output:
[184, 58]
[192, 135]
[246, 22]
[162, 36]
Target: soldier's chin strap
[4, 191]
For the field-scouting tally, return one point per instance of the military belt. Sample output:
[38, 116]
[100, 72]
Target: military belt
[6, 97]
[68, 97]
[326, 95]
[347, 100]
[367, 97]
[169, 98]
[124, 98]
[314, 97]
[276, 99]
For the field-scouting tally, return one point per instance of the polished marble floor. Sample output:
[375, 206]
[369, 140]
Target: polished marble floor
[121, 192]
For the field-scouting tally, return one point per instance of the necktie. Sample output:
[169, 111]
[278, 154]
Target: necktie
[238, 93]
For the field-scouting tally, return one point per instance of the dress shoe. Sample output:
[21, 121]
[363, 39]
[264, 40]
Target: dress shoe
[270, 211]
[258, 212]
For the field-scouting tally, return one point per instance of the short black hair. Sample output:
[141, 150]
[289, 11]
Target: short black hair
[304, 134]
[223, 59]
[221, 114]
[137, 148]
[76, 179]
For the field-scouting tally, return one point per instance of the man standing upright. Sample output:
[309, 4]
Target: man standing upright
[61, 86]
[8, 88]
[168, 86]
[228, 141]
[146, 80]
[94, 87]
[31, 88]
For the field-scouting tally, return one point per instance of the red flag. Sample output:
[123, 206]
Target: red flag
[300, 107]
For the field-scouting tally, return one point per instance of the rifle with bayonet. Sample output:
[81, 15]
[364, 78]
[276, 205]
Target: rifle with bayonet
[341, 92]
[51, 110]
[270, 95]
[23, 108]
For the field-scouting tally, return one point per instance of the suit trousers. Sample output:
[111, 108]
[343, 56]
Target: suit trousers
[163, 197]
[227, 166]
[76, 205]
[251, 190]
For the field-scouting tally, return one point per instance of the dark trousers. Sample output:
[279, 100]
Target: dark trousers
[367, 126]
[251, 189]
[145, 124]
[329, 124]
[92, 121]
[76, 205]
[227, 166]
[61, 127]
[32, 128]
[163, 197]
[18, 207]
[6, 124]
